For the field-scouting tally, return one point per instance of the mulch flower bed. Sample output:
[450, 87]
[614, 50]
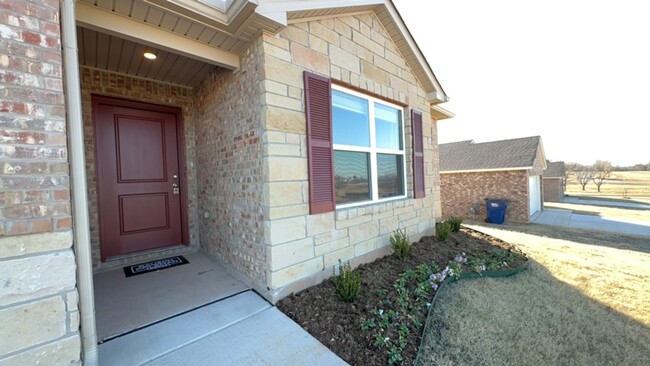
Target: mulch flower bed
[338, 324]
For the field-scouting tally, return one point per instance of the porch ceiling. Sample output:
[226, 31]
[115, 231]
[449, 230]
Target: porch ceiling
[106, 52]
[189, 37]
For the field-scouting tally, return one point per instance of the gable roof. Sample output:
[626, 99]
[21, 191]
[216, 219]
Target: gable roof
[288, 11]
[554, 169]
[467, 156]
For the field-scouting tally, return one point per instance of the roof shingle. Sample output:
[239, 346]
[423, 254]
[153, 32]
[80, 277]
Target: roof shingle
[493, 155]
[554, 169]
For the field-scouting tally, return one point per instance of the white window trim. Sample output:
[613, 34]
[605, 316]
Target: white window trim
[373, 150]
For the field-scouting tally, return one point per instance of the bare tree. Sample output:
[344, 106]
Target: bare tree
[584, 176]
[602, 171]
[570, 169]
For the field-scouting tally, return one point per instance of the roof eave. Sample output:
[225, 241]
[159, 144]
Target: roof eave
[485, 170]
[438, 113]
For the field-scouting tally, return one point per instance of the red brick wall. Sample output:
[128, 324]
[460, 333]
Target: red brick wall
[34, 183]
[461, 191]
[553, 189]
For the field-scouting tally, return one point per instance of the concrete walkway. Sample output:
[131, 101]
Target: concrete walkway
[241, 330]
[567, 218]
[596, 202]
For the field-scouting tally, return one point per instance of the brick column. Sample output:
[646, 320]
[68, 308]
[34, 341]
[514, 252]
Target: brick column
[38, 298]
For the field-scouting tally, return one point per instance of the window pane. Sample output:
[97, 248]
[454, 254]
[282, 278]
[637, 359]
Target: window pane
[388, 125]
[350, 119]
[351, 176]
[390, 175]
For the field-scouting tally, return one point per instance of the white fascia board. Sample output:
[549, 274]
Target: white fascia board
[278, 10]
[265, 7]
[485, 170]
[106, 22]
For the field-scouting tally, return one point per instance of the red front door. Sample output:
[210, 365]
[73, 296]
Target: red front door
[138, 174]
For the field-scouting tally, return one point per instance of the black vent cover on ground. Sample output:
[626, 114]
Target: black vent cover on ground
[156, 265]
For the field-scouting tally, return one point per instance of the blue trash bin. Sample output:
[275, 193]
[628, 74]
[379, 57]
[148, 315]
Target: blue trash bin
[496, 211]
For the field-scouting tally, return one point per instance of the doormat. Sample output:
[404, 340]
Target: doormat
[156, 265]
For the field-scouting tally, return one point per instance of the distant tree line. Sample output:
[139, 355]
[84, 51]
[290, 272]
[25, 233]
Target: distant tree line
[598, 173]
[635, 168]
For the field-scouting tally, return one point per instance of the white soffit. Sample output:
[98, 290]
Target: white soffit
[102, 21]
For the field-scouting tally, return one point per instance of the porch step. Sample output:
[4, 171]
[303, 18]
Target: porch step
[157, 340]
[266, 338]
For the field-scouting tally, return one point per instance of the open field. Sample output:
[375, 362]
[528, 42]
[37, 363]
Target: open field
[583, 301]
[602, 211]
[622, 185]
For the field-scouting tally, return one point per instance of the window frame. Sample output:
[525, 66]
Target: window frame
[372, 150]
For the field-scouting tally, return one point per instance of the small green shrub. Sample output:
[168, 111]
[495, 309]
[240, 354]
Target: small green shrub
[399, 241]
[347, 282]
[442, 231]
[455, 223]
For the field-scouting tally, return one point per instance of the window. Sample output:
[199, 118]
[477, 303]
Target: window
[355, 147]
[368, 143]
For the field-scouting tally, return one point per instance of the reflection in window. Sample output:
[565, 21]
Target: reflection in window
[368, 148]
[351, 176]
[350, 119]
[388, 127]
[390, 175]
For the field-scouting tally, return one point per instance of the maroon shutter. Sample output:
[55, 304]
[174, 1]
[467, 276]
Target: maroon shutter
[318, 108]
[418, 154]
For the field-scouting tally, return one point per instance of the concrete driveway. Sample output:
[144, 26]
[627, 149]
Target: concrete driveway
[567, 218]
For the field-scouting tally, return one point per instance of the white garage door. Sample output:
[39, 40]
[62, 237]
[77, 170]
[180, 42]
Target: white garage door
[534, 194]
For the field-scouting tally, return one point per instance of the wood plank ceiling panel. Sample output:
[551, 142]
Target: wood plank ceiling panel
[154, 16]
[123, 7]
[182, 26]
[169, 21]
[106, 4]
[115, 53]
[105, 52]
[139, 11]
[103, 44]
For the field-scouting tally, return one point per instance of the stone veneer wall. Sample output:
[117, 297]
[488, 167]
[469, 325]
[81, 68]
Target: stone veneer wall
[38, 297]
[105, 83]
[302, 248]
[461, 191]
[230, 166]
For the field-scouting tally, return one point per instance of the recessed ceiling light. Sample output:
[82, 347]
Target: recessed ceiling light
[150, 55]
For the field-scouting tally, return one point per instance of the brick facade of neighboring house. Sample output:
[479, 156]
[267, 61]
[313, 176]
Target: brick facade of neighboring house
[464, 194]
[244, 148]
[508, 170]
[38, 295]
[554, 181]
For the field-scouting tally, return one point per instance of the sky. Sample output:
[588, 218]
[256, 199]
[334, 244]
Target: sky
[575, 72]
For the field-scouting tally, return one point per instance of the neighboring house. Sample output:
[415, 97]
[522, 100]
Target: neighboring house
[509, 170]
[277, 136]
[553, 181]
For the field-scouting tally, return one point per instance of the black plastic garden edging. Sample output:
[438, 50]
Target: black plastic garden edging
[463, 276]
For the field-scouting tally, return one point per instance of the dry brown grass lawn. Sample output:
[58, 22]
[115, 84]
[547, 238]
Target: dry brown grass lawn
[623, 185]
[585, 300]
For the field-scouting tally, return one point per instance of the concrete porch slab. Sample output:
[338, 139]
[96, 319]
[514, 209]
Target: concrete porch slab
[241, 330]
[159, 339]
[125, 304]
[267, 338]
